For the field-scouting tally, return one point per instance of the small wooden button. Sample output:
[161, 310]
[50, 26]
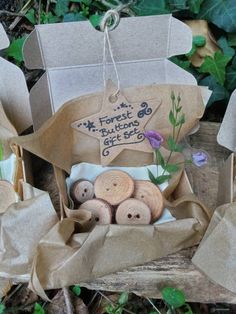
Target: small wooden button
[151, 195]
[133, 211]
[101, 211]
[82, 191]
[7, 195]
[114, 186]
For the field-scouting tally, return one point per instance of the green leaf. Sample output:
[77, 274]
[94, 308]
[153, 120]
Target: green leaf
[195, 5]
[1, 152]
[163, 178]
[215, 66]
[30, 15]
[224, 45]
[73, 17]
[218, 92]
[49, 18]
[220, 12]
[151, 177]
[172, 168]
[199, 40]
[123, 299]
[178, 4]
[230, 82]
[62, 7]
[232, 39]
[76, 290]
[38, 309]
[159, 159]
[95, 19]
[181, 120]
[173, 146]
[2, 308]
[172, 118]
[173, 297]
[150, 7]
[182, 63]
[192, 51]
[187, 309]
[15, 49]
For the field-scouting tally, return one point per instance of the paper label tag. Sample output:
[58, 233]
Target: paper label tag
[119, 125]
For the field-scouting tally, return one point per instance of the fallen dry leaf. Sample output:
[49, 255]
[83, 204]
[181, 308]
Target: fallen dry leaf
[5, 286]
[201, 27]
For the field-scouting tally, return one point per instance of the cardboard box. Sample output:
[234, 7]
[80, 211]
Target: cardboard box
[71, 55]
[14, 93]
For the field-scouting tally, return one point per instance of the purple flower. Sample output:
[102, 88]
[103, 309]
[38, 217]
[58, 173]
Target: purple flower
[155, 139]
[199, 159]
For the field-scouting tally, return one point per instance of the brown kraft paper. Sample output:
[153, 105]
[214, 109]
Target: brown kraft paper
[63, 257]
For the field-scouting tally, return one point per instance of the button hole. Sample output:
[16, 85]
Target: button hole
[129, 216]
[114, 184]
[108, 189]
[138, 216]
[142, 196]
[85, 190]
[97, 219]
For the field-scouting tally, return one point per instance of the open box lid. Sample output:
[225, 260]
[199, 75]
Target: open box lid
[227, 133]
[72, 53]
[14, 93]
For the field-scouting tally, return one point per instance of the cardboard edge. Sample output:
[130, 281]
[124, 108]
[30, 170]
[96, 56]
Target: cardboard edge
[178, 31]
[4, 40]
[32, 52]
[40, 102]
[226, 187]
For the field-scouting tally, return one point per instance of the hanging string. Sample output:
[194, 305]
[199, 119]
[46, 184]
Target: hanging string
[106, 42]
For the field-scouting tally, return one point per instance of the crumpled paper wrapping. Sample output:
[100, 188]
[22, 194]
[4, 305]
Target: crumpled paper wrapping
[64, 258]
[216, 254]
[21, 227]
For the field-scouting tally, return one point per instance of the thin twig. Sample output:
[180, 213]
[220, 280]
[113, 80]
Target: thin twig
[39, 12]
[47, 6]
[113, 303]
[153, 305]
[18, 287]
[5, 12]
[69, 305]
[93, 298]
[21, 14]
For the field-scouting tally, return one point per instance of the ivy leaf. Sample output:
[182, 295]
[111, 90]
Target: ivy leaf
[178, 4]
[195, 5]
[182, 63]
[150, 7]
[38, 309]
[224, 45]
[159, 159]
[73, 17]
[173, 297]
[123, 299]
[62, 7]
[76, 290]
[220, 12]
[215, 66]
[15, 49]
[172, 168]
[30, 15]
[218, 92]
[162, 179]
[2, 308]
[232, 40]
[230, 78]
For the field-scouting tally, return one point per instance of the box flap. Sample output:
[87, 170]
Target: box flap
[227, 133]
[226, 187]
[144, 38]
[4, 41]
[14, 93]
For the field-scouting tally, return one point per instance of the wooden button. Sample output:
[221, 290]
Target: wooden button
[101, 211]
[7, 195]
[82, 191]
[133, 211]
[151, 195]
[114, 186]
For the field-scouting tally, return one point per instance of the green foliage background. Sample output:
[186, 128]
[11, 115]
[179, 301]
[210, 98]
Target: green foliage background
[217, 72]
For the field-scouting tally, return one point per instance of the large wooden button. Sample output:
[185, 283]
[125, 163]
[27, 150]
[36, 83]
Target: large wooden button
[133, 211]
[82, 191]
[7, 195]
[101, 211]
[151, 195]
[114, 186]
